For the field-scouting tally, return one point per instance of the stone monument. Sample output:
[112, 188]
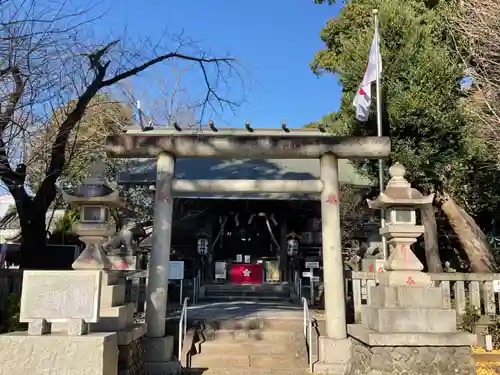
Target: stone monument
[405, 329]
[60, 307]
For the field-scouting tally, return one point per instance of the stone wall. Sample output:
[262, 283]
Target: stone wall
[409, 360]
[131, 358]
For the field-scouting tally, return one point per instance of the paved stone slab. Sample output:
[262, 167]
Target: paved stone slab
[244, 309]
[56, 296]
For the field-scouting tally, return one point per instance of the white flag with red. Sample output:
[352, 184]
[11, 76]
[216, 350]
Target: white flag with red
[363, 98]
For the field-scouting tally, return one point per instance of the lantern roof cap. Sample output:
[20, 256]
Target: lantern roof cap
[94, 189]
[399, 192]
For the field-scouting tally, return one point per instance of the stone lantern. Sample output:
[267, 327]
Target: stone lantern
[94, 198]
[406, 317]
[400, 201]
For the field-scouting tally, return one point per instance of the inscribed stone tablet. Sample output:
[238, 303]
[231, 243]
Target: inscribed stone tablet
[60, 295]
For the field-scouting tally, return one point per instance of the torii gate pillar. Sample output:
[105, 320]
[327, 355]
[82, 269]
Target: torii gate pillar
[333, 265]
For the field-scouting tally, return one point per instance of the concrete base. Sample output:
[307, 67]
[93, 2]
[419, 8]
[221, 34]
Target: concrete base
[410, 360]
[164, 368]
[58, 354]
[158, 354]
[333, 356]
[130, 350]
[373, 338]
[400, 320]
[375, 353]
[401, 309]
[406, 297]
[131, 333]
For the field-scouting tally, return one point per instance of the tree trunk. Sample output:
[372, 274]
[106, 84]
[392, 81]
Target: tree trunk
[471, 237]
[34, 239]
[431, 240]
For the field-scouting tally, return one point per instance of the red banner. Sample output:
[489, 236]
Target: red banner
[246, 274]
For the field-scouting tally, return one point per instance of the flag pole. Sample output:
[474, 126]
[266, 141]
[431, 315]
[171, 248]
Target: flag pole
[379, 129]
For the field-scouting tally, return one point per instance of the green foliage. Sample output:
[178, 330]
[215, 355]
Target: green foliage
[469, 319]
[104, 116]
[331, 122]
[65, 223]
[422, 103]
[10, 317]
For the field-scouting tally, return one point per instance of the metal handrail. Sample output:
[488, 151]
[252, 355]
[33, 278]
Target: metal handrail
[196, 286]
[308, 332]
[294, 284]
[182, 325]
[297, 284]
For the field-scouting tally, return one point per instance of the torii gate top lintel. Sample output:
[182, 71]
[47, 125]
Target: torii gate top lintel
[243, 144]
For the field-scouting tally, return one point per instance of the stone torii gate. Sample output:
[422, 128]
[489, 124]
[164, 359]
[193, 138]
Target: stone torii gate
[168, 144]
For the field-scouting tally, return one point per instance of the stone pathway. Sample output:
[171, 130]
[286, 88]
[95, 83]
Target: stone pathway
[244, 309]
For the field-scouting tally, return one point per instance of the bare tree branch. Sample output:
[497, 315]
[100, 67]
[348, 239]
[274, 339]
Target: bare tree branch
[45, 68]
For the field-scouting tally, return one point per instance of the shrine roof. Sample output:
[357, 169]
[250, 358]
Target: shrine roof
[143, 172]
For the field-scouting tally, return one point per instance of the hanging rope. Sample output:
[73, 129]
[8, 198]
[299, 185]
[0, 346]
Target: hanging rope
[220, 232]
[271, 232]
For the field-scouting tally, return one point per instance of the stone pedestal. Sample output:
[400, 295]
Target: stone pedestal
[95, 353]
[158, 356]
[118, 316]
[60, 307]
[406, 330]
[410, 360]
[333, 356]
[123, 261]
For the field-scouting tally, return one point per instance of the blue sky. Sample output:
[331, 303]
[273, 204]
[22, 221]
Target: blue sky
[274, 39]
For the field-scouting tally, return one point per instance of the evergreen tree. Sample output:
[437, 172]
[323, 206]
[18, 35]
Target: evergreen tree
[423, 111]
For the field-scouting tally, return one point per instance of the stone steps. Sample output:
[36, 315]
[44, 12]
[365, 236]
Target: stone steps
[257, 361]
[278, 286]
[249, 293]
[253, 342]
[278, 290]
[245, 298]
[227, 336]
[251, 323]
[257, 347]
